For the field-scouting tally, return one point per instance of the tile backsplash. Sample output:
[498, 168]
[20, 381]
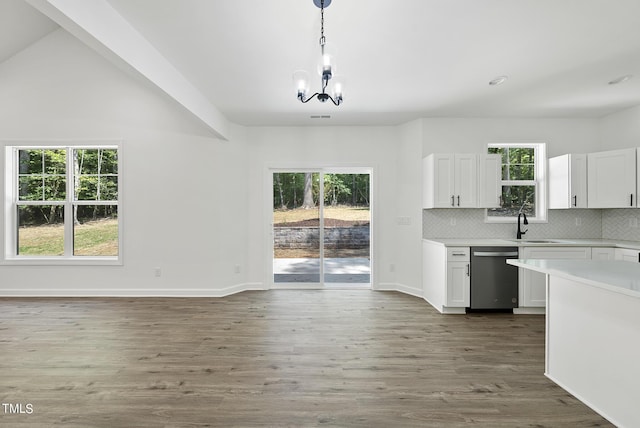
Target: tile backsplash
[619, 224]
[470, 223]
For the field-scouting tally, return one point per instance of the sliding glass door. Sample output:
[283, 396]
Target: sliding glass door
[321, 228]
[296, 228]
[347, 229]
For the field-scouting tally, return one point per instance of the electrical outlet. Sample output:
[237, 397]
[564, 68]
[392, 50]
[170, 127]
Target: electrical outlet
[236, 269]
[452, 221]
[633, 222]
[578, 221]
[157, 272]
[392, 267]
[404, 221]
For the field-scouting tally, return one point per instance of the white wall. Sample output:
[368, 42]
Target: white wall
[621, 130]
[471, 135]
[184, 204]
[290, 147]
[409, 204]
[197, 207]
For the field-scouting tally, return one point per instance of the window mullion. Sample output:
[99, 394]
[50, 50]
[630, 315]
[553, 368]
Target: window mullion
[68, 206]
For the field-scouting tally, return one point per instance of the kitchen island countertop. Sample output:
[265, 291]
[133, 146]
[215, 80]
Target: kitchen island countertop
[613, 275]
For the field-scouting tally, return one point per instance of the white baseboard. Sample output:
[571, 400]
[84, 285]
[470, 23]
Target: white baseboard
[183, 292]
[132, 292]
[394, 286]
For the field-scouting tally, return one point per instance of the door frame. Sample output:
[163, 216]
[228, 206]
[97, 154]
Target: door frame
[330, 168]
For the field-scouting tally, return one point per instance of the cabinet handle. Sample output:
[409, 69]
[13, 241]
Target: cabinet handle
[452, 201]
[458, 200]
[631, 199]
[575, 200]
[458, 254]
[468, 270]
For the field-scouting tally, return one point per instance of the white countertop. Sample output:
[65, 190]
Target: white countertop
[614, 275]
[533, 242]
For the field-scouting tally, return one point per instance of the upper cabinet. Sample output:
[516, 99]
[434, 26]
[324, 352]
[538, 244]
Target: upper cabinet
[459, 181]
[568, 181]
[489, 180]
[612, 179]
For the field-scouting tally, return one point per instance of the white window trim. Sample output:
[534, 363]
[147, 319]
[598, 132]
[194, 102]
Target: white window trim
[10, 201]
[540, 183]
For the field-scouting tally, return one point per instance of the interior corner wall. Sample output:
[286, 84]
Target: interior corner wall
[408, 206]
[184, 198]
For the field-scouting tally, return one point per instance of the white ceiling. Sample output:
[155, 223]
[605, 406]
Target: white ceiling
[401, 59]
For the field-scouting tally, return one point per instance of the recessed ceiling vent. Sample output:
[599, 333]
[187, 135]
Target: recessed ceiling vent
[320, 116]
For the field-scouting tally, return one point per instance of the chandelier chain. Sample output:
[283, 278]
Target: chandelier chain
[322, 39]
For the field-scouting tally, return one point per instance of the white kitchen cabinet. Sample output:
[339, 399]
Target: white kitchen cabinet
[450, 181]
[489, 180]
[627, 255]
[532, 285]
[454, 180]
[446, 281]
[458, 278]
[602, 253]
[568, 181]
[611, 179]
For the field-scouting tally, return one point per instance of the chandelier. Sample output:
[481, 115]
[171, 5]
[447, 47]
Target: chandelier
[326, 69]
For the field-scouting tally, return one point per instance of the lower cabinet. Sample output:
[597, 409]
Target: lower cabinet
[627, 255]
[445, 275]
[458, 277]
[602, 253]
[532, 285]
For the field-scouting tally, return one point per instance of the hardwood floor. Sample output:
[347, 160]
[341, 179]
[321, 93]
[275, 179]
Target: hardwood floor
[280, 358]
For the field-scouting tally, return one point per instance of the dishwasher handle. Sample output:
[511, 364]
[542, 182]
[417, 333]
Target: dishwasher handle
[495, 254]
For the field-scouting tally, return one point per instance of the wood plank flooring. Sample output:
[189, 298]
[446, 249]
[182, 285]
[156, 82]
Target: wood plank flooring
[279, 358]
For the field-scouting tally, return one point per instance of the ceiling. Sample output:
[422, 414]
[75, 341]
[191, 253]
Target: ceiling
[401, 60]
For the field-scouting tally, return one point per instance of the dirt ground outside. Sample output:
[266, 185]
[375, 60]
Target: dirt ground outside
[305, 253]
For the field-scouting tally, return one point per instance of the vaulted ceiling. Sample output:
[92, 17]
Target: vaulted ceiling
[401, 59]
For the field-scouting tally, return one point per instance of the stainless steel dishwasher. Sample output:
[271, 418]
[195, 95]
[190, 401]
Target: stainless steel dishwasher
[494, 283]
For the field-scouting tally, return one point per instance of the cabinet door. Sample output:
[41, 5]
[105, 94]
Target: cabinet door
[600, 253]
[533, 284]
[612, 179]
[568, 181]
[627, 255]
[489, 181]
[466, 181]
[458, 284]
[438, 181]
[578, 182]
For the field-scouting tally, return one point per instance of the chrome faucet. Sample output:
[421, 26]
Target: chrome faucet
[522, 214]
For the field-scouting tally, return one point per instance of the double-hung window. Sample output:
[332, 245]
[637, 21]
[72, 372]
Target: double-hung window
[523, 182]
[62, 203]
